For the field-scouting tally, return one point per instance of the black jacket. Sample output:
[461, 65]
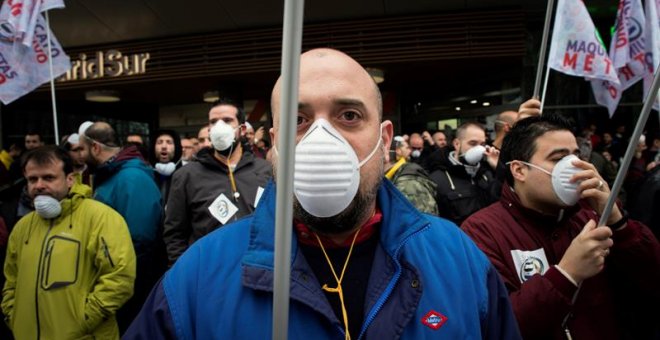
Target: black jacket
[458, 194]
[195, 186]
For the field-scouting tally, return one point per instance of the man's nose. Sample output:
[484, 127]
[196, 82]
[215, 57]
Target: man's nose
[39, 185]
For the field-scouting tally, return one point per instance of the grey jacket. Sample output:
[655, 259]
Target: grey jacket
[195, 186]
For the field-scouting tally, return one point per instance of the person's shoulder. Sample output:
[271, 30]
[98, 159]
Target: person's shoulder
[261, 164]
[492, 216]
[442, 230]
[192, 167]
[97, 208]
[215, 256]
[450, 245]
[25, 222]
[134, 167]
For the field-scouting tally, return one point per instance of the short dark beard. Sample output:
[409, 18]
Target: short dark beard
[342, 222]
[228, 150]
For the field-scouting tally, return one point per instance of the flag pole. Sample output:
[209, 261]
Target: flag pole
[545, 87]
[630, 151]
[544, 45]
[52, 82]
[291, 47]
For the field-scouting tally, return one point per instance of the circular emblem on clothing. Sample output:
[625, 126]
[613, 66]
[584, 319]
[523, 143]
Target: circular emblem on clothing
[224, 209]
[530, 267]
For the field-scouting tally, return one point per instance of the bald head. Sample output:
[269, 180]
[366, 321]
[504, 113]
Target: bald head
[103, 133]
[505, 120]
[334, 69]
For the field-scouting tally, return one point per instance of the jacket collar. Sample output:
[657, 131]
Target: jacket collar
[207, 158]
[400, 219]
[113, 165]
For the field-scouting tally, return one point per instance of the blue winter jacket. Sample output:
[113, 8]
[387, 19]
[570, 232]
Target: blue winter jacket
[128, 187]
[428, 280]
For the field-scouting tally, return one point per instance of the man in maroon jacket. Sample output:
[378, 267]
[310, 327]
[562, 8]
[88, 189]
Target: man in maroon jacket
[566, 276]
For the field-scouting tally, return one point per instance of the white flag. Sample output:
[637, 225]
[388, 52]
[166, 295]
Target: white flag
[627, 52]
[18, 18]
[576, 48]
[20, 73]
[652, 34]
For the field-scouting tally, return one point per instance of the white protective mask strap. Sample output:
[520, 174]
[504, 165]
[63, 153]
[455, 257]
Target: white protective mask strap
[380, 138]
[533, 166]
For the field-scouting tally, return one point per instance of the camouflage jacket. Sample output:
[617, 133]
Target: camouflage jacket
[415, 184]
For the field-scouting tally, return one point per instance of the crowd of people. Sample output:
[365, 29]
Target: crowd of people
[449, 234]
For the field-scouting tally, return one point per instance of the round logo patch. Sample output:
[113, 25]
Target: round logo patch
[531, 267]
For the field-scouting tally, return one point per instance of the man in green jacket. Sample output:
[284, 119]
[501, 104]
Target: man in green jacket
[70, 263]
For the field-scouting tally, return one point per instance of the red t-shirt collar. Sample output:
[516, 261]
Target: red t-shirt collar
[369, 228]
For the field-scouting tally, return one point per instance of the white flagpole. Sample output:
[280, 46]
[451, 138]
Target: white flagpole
[545, 87]
[630, 151]
[544, 46]
[52, 82]
[291, 47]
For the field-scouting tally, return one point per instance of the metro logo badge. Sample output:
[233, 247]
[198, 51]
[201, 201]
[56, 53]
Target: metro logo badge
[434, 320]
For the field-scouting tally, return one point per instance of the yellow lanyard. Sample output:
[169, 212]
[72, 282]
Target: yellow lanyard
[339, 289]
[390, 173]
[231, 178]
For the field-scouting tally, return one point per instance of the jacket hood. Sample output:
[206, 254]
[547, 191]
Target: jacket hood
[439, 160]
[76, 194]
[153, 158]
[127, 157]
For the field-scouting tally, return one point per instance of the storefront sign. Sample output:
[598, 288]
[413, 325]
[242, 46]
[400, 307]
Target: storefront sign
[109, 64]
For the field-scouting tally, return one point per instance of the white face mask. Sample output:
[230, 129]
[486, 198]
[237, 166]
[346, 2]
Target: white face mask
[47, 206]
[561, 175]
[415, 154]
[474, 155]
[165, 169]
[327, 171]
[222, 136]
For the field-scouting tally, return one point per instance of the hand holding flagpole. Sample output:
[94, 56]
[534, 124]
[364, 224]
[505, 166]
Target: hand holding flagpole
[630, 151]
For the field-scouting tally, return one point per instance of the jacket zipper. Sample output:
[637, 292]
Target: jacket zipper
[39, 273]
[107, 252]
[390, 286]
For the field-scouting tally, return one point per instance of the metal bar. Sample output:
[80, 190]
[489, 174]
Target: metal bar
[544, 46]
[545, 87]
[291, 47]
[52, 82]
[630, 151]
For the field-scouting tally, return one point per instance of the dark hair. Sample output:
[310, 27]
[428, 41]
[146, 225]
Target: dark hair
[520, 142]
[460, 131]
[240, 115]
[35, 133]
[103, 133]
[46, 155]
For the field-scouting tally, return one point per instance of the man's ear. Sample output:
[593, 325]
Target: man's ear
[387, 131]
[456, 143]
[271, 132]
[518, 171]
[70, 179]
